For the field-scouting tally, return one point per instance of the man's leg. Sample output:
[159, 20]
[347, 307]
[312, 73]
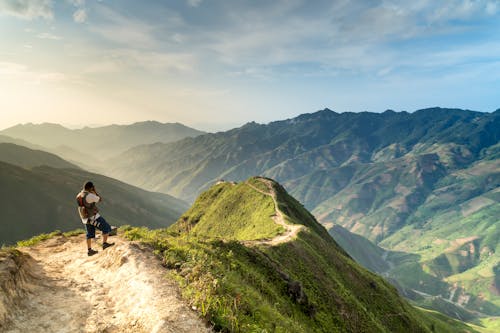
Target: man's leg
[90, 234]
[106, 229]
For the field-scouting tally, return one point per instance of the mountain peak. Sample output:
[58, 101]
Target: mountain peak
[271, 251]
[258, 210]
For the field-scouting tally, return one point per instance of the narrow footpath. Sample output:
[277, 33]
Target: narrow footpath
[120, 289]
[291, 230]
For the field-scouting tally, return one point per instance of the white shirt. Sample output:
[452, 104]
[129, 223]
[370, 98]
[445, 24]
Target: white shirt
[91, 198]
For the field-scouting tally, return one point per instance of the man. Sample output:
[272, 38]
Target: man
[90, 216]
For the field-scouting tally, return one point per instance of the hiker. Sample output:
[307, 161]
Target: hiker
[90, 216]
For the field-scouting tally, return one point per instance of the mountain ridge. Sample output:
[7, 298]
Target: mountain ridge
[379, 175]
[38, 191]
[302, 283]
[97, 141]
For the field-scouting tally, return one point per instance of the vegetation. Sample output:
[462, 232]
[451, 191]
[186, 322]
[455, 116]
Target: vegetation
[413, 183]
[304, 285]
[41, 237]
[234, 211]
[42, 199]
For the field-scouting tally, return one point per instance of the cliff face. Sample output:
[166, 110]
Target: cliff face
[16, 279]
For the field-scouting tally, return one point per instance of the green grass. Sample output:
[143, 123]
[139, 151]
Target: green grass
[236, 212]
[306, 285]
[39, 238]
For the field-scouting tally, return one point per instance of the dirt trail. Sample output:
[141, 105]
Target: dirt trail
[120, 289]
[291, 230]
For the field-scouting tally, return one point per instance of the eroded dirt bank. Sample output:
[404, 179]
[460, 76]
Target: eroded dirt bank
[56, 287]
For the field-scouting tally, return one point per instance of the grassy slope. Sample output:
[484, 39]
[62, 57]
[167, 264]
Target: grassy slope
[223, 204]
[459, 240]
[43, 199]
[306, 285]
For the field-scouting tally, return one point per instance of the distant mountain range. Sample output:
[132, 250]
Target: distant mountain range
[88, 145]
[38, 190]
[412, 196]
[425, 183]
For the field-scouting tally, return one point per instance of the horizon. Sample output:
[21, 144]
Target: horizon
[221, 64]
[223, 127]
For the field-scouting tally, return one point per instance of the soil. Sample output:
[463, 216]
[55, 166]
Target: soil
[123, 288]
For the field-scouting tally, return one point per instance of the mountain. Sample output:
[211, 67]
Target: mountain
[251, 258]
[294, 148]
[90, 145]
[29, 158]
[19, 142]
[424, 183]
[38, 195]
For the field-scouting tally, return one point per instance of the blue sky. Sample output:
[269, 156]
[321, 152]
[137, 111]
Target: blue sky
[216, 64]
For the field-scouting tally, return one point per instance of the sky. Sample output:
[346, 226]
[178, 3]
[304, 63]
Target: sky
[216, 64]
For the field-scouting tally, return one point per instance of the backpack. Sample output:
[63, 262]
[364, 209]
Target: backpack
[84, 208]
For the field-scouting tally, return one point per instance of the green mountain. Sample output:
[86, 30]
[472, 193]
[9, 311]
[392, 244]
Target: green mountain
[424, 183]
[37, 199]
[294, 148]
[90, 145]
[250, 258]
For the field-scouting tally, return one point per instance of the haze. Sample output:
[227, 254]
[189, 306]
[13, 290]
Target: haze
[214, 64]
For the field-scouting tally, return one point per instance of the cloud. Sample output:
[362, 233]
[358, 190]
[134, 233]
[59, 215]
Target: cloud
[361, 36]
[80, 16]
[123, 30]
[27, 9]
[21, 73]
[46, 35]
[194, 3]
[123, 60]
[155, 61]
[77, 3]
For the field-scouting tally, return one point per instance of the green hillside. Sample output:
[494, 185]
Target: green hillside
[250, 282]
[415, 183]
[290, 149]
[42, 199]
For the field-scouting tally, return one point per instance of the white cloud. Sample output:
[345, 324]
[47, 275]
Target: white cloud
[125, 60]
[194, 3]
[338, 35]
[155, 62]
[80, 16]
[103, 67]
[21, 73]
[46, 35]
[123, 30]
[27, 9]
[492, 7]
[77, 3]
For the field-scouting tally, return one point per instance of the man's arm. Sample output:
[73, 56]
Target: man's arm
[91, 198]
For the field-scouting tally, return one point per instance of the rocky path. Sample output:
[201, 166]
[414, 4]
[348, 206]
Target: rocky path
[291, 230]
[120, 289]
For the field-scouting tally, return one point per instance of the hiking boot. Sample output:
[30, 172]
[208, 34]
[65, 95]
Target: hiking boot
[106, 245]
[91, 252]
